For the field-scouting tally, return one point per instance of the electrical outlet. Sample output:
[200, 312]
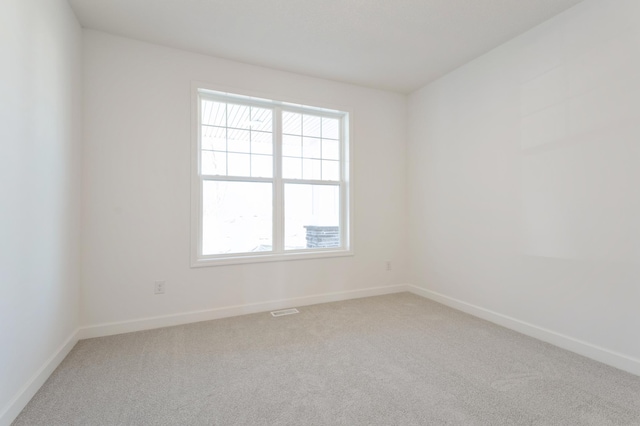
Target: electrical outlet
[159, 287]
[388, 265]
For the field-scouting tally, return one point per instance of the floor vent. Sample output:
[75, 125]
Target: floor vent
[285, 312]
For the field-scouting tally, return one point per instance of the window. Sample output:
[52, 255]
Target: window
[271, 180]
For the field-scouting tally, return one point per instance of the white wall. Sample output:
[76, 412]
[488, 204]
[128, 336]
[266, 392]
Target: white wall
[523, 178]
[137, 185]
[40, 99]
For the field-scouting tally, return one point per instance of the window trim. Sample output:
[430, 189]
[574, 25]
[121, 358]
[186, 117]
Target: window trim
[278, 104]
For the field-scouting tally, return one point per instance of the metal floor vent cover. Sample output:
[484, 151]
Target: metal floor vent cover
[285, 312]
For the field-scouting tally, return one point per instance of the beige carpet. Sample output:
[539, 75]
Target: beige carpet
[388, 360]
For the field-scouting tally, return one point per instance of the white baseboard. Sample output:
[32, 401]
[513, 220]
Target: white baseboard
[603, 355]
[22, 398]
[24, 395]
[109, 329]
[606, 356]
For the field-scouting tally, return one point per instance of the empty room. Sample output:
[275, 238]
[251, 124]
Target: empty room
[347, 212]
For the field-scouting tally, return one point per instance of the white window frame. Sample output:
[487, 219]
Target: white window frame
[202, 90]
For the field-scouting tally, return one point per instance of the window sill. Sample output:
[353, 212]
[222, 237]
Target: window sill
[259, 258]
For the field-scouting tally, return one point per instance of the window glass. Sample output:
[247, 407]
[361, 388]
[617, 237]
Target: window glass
[312, 216]
[236, 217]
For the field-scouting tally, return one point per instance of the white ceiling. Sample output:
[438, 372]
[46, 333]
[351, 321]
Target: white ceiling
[398, 45]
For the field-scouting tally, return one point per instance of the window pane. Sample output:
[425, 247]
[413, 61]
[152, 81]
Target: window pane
[238, 140]
[311, 169]
[311, 148]
[330, 170]
[291, 123]
[291, 146]
[213, 163]
[311, 125]
[239, 164]
[214, 138]
[238, 116]
[261, 119]
[330, 149]
[330, 128]
[312, 216]
[261, 166]
[214, 113]
[236, 217]
[261, 143]
[291, 168]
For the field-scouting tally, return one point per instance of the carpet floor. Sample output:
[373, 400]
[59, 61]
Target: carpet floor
[389, 360]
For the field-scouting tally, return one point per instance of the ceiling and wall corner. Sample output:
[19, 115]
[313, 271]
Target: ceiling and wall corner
[399, 46]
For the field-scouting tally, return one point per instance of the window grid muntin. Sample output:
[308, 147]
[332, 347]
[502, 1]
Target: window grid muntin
[320, 139]
[237, 111]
